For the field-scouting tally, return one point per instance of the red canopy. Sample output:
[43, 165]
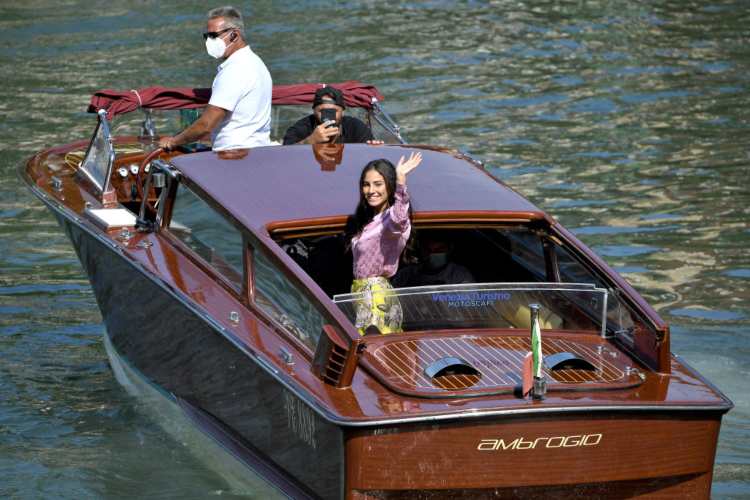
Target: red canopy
[116, 102]
[356, 94]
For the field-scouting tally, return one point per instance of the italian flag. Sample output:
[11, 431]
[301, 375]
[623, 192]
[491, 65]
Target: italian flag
[536, 348]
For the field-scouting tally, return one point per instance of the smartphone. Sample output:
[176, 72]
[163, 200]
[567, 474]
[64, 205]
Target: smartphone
[328, 114]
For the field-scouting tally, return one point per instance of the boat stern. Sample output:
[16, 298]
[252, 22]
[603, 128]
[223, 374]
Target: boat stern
[602, 454]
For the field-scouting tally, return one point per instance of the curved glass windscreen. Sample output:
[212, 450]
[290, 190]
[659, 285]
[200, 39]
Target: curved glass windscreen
[208, 234]
[100, 156]
[283, 300]
[563, 306]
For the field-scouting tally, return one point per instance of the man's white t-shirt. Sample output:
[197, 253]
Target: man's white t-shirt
[243, 87]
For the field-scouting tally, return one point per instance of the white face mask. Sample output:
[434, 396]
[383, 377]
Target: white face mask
[215, 47]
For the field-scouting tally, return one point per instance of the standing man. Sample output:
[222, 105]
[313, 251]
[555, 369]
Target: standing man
[238, 115]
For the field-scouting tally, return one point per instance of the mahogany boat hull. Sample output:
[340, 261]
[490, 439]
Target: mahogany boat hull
[231, 397]
[220, 387]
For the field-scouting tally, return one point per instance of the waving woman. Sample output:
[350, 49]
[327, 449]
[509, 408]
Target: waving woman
[379, 230]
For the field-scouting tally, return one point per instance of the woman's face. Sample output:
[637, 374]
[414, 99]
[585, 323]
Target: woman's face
[374, 191]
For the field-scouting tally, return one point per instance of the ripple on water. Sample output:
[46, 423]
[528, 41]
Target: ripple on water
[586, 230]
[594, 106]
[45, 288]
[630, 269]
[737, 273]
[708, 314]
[660, 216]
[580, 203]
[624, 250]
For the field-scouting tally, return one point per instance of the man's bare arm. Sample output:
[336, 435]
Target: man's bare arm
[209, 120]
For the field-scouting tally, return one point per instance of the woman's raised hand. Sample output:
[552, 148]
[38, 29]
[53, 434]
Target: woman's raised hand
[405, 166]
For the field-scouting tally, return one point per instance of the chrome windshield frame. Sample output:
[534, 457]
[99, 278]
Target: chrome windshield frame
[385, 121]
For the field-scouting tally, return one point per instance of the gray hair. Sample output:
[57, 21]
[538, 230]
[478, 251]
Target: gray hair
[232, 17]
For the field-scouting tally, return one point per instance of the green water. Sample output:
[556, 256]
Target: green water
[628, 121]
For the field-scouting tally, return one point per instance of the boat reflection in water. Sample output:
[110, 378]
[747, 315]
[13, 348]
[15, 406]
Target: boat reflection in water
[223, 282]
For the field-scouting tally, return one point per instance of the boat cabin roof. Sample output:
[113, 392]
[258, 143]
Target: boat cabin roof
[284, 183]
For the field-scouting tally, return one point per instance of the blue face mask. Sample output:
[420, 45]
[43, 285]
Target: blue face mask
[436, 261]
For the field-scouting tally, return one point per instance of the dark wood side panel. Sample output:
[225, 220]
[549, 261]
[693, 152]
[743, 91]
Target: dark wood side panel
[691, 487]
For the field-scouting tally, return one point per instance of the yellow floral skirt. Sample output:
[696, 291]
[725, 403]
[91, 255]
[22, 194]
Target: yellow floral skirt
[379, 306]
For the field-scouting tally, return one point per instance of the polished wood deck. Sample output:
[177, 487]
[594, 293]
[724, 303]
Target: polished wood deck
[499, 360]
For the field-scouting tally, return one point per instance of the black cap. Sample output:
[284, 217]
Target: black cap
[331, 93]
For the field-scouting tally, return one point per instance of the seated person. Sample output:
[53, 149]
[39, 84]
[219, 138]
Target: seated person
[313, 129]
[434, 267]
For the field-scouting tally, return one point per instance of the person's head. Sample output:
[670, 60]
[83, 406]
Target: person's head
[377, 186]
[328, 98]
[225, 32]
[434, 250]
[378, 177]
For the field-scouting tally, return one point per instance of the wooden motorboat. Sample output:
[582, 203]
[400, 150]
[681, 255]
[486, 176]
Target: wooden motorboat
[223, 280]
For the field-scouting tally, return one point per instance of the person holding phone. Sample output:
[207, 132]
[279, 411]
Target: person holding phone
[328, 124]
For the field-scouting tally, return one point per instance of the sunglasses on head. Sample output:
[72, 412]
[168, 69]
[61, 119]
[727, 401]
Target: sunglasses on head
[215, 34]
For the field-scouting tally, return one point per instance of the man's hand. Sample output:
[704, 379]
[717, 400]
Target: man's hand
[167, 143]
[322, 133]
[375, 142]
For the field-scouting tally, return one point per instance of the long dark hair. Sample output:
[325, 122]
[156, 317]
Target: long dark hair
[364, 213]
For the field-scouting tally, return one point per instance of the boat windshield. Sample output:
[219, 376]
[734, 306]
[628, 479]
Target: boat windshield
[564, 306]
[100, 155]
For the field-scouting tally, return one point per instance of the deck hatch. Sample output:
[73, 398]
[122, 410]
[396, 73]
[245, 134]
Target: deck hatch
[451, 372]
[418, 365]
[567, 361]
